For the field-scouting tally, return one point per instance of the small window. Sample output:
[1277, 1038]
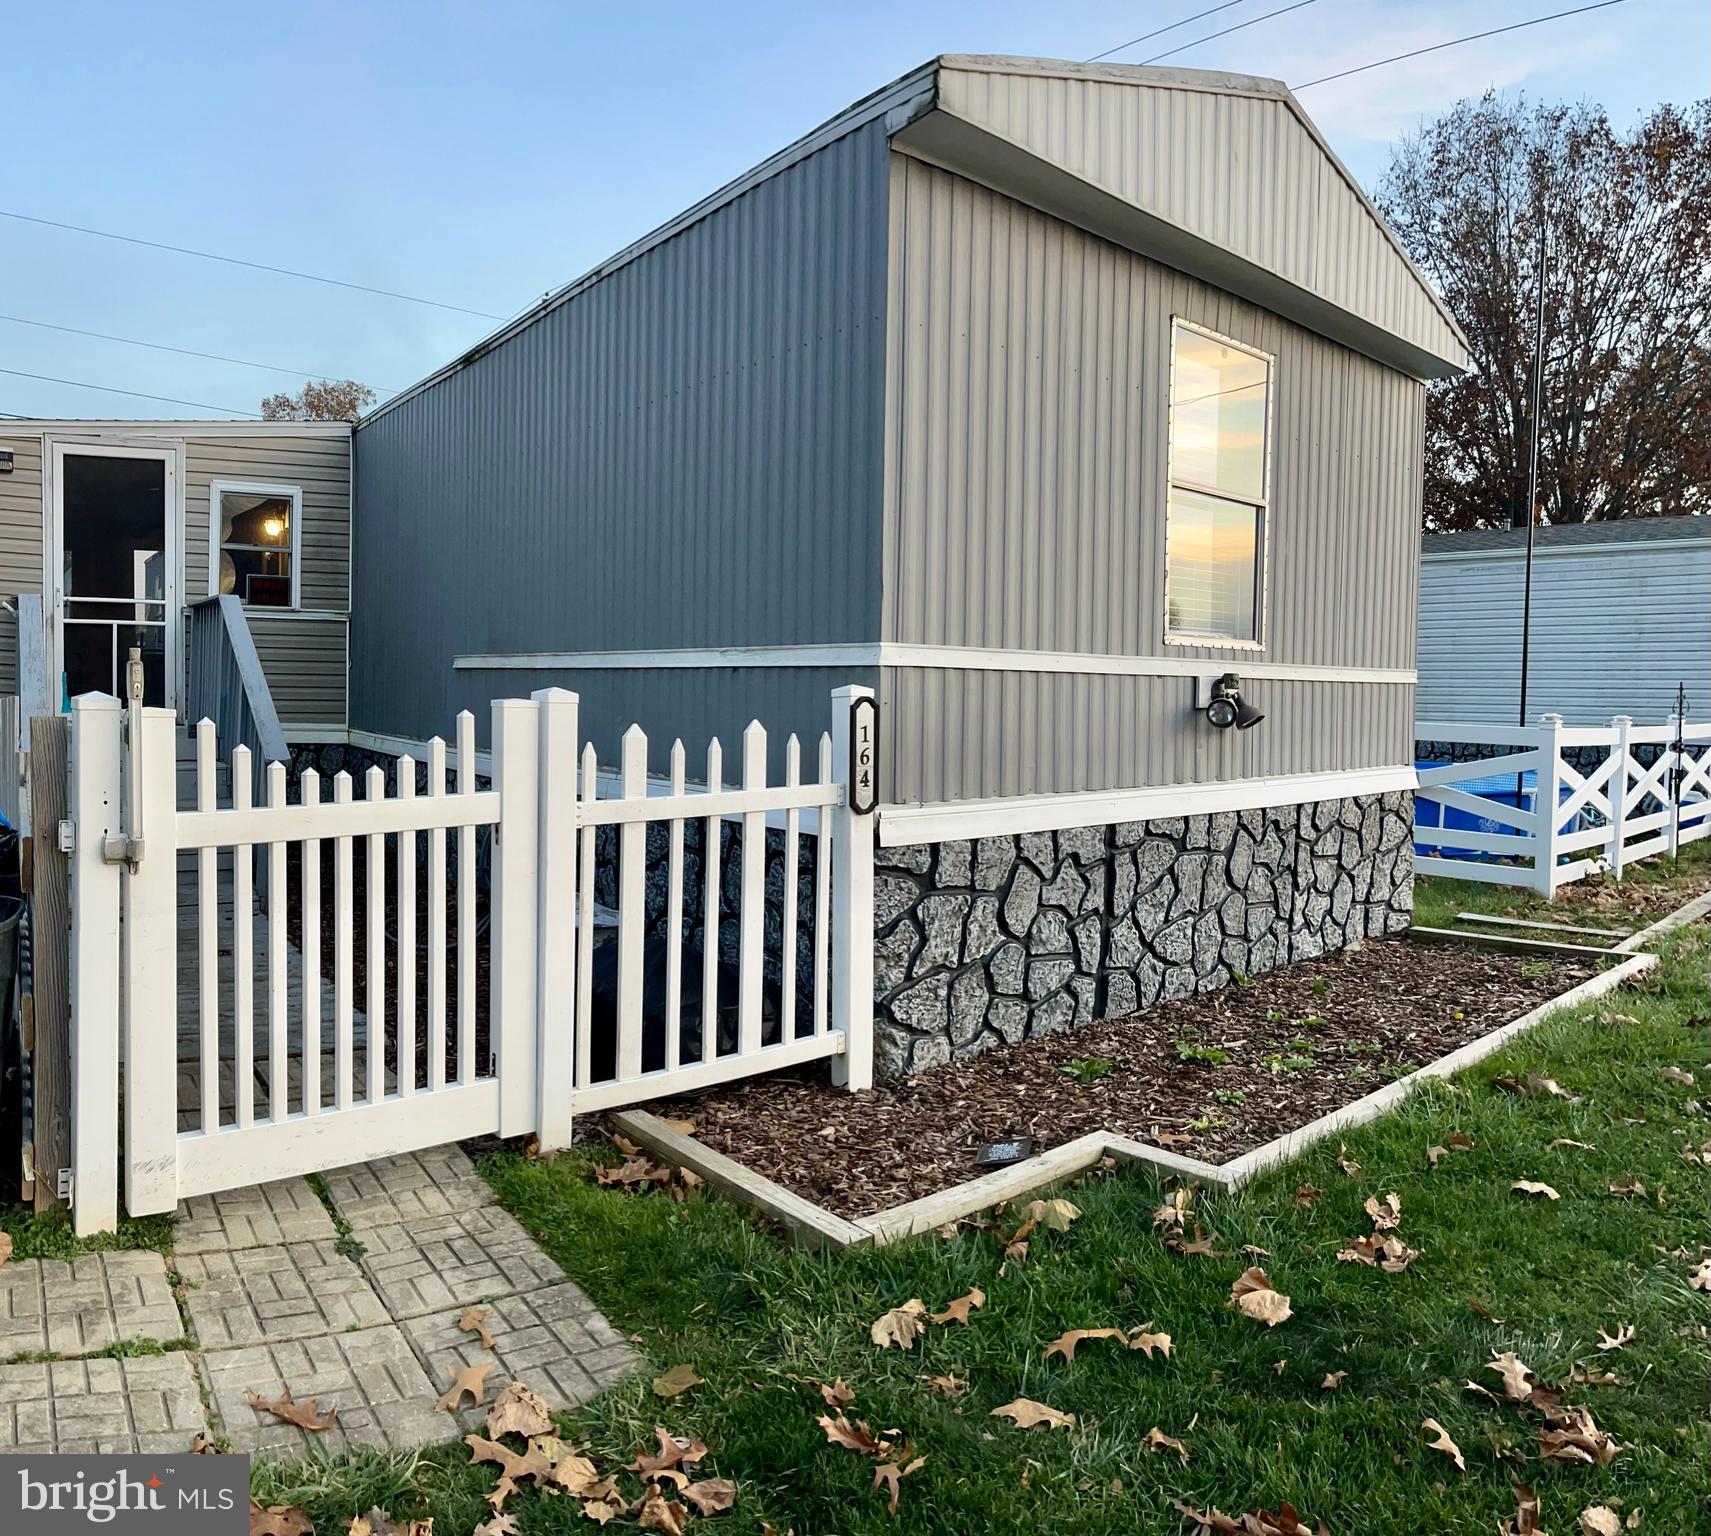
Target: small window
[256, 528]
[1220, 462]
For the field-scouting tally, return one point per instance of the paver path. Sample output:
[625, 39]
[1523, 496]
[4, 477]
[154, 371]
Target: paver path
[274, 1303]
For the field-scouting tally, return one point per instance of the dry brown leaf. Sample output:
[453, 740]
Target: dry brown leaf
[674, 1451]
[301, 1414]
[1025, 1413]
[499, 1525]
[1444, 1443]
[1579, 1376]
[378, 1522]
[1174, 1211]
[1333, 1380]
[661, 1514]
[518, 1411]
[675, 1382]
[836, 1395]
[474, 1320]
[900, 1326]
[1624, 1189]
[1525, 1520]
[1306, 1194]
[1434, 1155]
[600, 1510]
[1254, 1294]
[1054, 1215]
[1531, 1187]
[1201, 1243]
[513, 1468]
[1459, 1141]
[1571, 1437]
[1065, 1343]
[5, 1246]
[1390, 1254]
[201, 1445]
[279, 1520]
[1676, 1075]
[1148, 1342]
[948, 1386]
[891, 1474]
[957, 1311]
[470, 1379]
[1282, 1521]
[575, 1474]
[1517, 1386]
[852, 1437]
[1623, 1336]
[1157, 1440]
[1385, 1216]
[1600, 1520]
[1347, 1163]
[1700, 1279]
[712, 1495]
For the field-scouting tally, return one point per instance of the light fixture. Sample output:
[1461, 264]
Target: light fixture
[1227, 706]
[273, 527]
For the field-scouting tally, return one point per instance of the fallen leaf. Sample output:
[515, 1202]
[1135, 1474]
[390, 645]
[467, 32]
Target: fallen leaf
[574, 1474]
[1581, 1377]
[513, 1468]
[900, 1326]
[891, 1474]
[499, 1525]
[1306, 1194]
[599, 1511]
[1148, 1342]
[712, 1495]
[378, 1522]
[518, 1411]
[948, 1386]
[957, 1311]
[674, 1451]
[661, 1514]
[300, 1414]
[1700, 1279]
[279, 1520]
[675, 1382]
[1525, 1520]
[1054, 1215]
[1600, 1520]
[836, 1395]
[1515, 1373]
[682, 1127]
[1254, 1294]
[1624, 1189]
[1254, 1251]
[1025, 1413]
[1157, 1440]
[1572, 1438]
[1201, 1243]
[474, 1320]
[1333, 1380]
[1534, 1086]
[201, 1445]
[1385, 1216]
[1065, 1344]
[470, 1379]
[1529, 1187]
[1390, 1254]
[852, 1437]
[1444, 1443]
[1565, 1141]
[5, 1246]
[1676, 1075]
[1459, 1141]
[1434, 1155]
[1347, 1163]
[1282, 1521]
[1623, 1337]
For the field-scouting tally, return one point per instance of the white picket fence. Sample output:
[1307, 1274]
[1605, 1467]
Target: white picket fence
[1565, 823]
[293, 1073]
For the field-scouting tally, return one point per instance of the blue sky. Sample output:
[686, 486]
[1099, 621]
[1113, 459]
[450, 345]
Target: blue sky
[482, 154]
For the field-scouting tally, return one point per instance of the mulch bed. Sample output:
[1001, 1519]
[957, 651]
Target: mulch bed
[1298, 1042]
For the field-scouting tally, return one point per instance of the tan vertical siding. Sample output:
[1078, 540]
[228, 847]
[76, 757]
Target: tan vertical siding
[20, 542]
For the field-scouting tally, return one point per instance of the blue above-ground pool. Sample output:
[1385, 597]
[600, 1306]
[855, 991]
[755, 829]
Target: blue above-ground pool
[1500, 788]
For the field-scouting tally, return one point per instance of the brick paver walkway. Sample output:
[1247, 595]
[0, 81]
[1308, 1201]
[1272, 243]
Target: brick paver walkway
[275, 1303]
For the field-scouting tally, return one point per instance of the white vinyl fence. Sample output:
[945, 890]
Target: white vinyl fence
[1567, 802]
[231, 1001]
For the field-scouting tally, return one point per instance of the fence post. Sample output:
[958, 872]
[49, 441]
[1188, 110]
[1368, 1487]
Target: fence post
[555, 925]
[95, 799]
[1545, 797]
[852, 908]
[1618, 793]
[515, 905]
[151, 973]
[1677, 750]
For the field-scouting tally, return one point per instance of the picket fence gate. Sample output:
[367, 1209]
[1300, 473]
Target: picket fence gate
[284, 1084]
[1578, 822]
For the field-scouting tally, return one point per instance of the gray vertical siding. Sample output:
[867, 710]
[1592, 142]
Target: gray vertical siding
[685, 453]
[1025, 511]
[1241, 170]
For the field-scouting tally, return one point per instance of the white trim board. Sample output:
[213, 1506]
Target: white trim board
[956, 658]
[145, 427]
[278, 490]
[902, 825]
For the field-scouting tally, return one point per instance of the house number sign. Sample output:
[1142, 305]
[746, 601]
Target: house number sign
[864, 748]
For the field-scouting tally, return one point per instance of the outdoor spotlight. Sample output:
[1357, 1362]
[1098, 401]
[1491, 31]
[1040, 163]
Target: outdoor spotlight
[1228, 707]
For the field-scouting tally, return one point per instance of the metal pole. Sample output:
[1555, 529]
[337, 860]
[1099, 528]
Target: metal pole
[1532, 494]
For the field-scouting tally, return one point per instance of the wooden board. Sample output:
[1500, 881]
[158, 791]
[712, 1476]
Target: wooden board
[50, 1006]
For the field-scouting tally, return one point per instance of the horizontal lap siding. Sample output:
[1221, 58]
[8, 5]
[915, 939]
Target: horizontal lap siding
[963, 735]
[20, 542]
[1027, 472]
[304, 663]
[685, 453]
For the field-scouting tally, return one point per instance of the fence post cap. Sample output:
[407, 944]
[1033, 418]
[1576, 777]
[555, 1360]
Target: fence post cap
[95, 701]
[1550, 720]
[1620, 720]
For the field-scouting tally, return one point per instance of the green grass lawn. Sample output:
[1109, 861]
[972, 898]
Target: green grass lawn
[699, 1283]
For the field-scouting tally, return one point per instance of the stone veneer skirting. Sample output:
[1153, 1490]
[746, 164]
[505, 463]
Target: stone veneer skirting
[997, 939]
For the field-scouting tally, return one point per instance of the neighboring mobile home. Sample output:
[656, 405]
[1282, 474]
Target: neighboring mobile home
[1037, 396]
[112, 523]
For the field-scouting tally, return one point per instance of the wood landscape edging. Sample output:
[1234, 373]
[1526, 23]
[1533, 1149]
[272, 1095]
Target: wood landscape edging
[814, 1227]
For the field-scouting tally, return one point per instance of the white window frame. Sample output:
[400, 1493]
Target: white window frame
[1262, 577]
[293, 493]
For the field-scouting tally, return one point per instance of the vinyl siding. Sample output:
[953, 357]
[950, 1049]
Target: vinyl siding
[684, 453]
[1614, 631]
[303, 657]
[1240, 170]
[1026, 472]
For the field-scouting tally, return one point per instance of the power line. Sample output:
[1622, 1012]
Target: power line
[1213, 36]
[1160, 31]
[1472, 37]
[213, 357]
[135, 394]
[238, 261]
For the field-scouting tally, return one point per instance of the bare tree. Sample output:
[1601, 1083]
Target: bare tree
[326, 400]
[1627, 354]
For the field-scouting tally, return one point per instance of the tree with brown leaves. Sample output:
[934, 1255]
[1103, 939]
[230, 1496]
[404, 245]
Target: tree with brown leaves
[1627, 333]
[323, 400]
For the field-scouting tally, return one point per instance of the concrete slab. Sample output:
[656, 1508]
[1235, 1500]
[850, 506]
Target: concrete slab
[85, 1304]
[268, 1295]
[114, 1407]
[454, 1261]
[263, 1215]
[410, 1187]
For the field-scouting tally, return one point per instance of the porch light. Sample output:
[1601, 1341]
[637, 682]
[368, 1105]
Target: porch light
[1228, 707]
[273, 527]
